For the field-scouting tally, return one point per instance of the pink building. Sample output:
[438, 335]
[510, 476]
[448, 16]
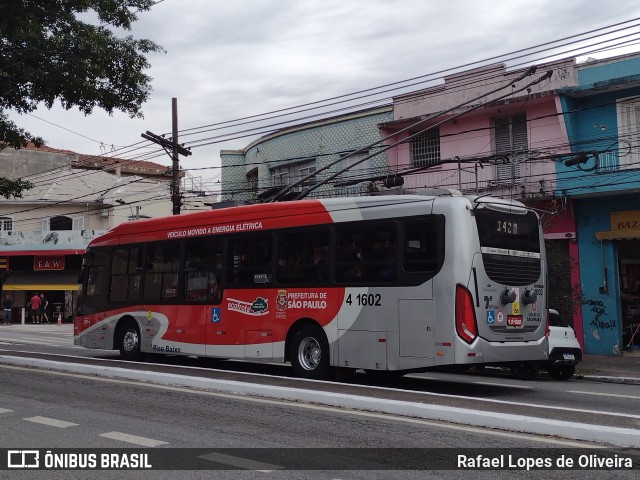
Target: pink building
[492, 131]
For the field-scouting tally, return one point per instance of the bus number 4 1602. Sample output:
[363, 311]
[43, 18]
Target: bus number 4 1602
[365, 300]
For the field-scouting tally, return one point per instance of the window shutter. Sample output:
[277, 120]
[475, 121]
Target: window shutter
[628, 124]
[78, 223]
[502, 135]
[520, 140]
[510, 137]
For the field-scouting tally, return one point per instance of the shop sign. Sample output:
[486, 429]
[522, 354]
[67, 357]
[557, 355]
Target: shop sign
[48, 262]
[624, 221]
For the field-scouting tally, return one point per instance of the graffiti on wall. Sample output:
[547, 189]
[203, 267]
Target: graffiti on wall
[599, 310]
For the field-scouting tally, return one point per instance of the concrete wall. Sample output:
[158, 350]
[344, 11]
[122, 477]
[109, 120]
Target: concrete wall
[22, 163]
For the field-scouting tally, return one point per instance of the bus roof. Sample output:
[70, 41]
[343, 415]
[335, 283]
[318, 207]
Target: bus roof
[256, 217]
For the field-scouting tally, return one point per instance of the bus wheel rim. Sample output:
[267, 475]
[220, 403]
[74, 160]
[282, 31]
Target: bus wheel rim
[130, 341]
[309, 353]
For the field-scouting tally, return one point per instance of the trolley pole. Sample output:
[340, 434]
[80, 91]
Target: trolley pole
[176, 151]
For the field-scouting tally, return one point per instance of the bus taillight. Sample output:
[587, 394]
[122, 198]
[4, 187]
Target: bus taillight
[465, 315]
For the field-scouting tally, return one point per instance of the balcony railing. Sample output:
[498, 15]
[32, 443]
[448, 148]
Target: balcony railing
[612, 161]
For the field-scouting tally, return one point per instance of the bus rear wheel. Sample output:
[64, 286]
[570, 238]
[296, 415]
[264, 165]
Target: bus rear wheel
[129, 341]
[309, 353]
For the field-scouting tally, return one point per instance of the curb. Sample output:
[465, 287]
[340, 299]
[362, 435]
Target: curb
[609, 379]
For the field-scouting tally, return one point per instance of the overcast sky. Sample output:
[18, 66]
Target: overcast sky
[227, 60]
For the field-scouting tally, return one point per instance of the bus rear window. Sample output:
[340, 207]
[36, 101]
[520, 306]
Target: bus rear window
[508, 230]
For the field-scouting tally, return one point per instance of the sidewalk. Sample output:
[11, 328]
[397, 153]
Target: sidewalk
[603, 368]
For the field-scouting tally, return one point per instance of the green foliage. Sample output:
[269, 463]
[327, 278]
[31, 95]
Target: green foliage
[49, 50]
[13, 188]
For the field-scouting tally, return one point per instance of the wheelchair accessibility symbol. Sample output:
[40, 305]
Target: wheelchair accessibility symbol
[491, 317]
[215, 315]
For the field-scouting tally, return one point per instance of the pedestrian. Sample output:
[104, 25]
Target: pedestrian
[35, 308]
[44, 306]
[7, 303]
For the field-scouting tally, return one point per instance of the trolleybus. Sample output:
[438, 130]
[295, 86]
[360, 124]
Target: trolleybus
[393, 283]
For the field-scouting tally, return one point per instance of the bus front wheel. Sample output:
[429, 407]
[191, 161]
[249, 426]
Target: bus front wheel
[129, 341]
[309, 353]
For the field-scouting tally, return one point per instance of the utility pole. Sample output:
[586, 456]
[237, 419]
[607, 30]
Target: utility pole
[175, 183]
[176, 150]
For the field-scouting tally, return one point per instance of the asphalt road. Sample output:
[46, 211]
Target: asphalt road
[49, 410]
[457, 398]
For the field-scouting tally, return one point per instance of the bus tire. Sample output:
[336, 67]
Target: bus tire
[129, 341]
[309, 353]
[525, 371]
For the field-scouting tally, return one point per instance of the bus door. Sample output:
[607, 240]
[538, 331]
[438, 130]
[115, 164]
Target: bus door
[233, 324]
[417, 328]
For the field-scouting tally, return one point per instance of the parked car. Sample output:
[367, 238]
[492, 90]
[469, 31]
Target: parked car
[564, 353]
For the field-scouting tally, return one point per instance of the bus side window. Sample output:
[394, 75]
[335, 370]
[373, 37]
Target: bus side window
[126, 274]
[423, 250]
[162, 264]
[303, 256]
[366, 253]
[250, 260]
[201, 271]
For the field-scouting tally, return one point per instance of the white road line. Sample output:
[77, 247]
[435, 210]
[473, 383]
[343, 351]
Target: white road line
[52, 422]
[240, 462]
[5, 410]
[125, 437]
[496, 384]
[49, 343]
[635, 397]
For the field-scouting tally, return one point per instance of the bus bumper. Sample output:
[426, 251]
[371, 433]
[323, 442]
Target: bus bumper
[484, 352]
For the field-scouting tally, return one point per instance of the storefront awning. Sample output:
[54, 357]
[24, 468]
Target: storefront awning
[41, 281]
[618, 235]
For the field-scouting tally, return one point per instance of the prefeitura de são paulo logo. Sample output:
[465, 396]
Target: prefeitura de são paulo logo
[281, 300]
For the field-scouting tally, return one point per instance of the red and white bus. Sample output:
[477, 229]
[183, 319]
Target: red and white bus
[383, 283]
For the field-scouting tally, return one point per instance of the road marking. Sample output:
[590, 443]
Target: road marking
[52, 422]
[5, 410]
[125, 437]
[635, 397]
[496, 384]
[240, 462]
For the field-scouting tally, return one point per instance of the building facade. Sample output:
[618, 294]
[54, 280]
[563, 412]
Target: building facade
[44, 233]
[495, 131]
[602, 115]
[288, 155]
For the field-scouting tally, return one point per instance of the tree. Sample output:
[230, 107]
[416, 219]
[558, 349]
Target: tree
[49, 50]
